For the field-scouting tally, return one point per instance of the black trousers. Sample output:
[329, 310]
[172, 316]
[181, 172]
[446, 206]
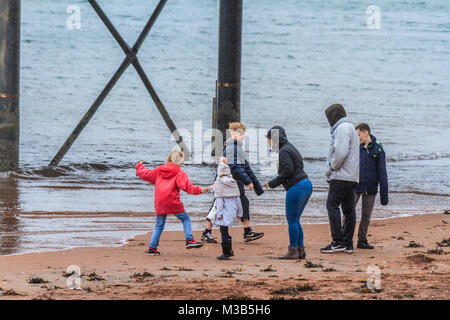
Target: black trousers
[341, 195]
[225, 235]
[245, 203]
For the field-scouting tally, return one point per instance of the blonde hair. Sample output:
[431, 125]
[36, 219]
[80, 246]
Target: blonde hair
[176, 156]
[237, 126]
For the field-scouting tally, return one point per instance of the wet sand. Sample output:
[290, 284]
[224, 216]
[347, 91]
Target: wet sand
[254, 272]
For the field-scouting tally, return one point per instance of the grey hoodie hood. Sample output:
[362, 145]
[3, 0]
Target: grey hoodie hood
[334, 113]
[226, 187]
[338, 123]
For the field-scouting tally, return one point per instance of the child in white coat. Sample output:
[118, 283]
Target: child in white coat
[228, 206]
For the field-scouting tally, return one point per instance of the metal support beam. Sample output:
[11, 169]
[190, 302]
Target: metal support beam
[131, 58]
[135, 62]
[226, 107]
[9, 84]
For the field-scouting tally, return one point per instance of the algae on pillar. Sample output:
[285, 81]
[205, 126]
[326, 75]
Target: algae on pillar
[9, 84]
[227, 103]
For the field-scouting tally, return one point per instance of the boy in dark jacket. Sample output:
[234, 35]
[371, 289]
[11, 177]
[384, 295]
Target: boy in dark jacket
[244, 176]
[372, 172]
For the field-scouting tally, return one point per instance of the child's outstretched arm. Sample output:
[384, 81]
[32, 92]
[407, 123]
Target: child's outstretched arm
[256, 184]
[236, 162]
[145, 174]
[219, 208]
[240, 209]
[184, 184]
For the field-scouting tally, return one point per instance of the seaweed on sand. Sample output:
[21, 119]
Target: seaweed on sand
[68, 274]
[226, 274]
[367, 290]
[165, 269]
[309, 264]
[294, 290]
[444, 243]
[141, 276]
[268, 269]
[436, 251]
[11, 292]
[37, 280]
[420, 258]
[413, 244]
[184, 269]
[94, 277]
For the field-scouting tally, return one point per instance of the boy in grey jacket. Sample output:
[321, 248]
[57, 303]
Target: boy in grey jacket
[342, 173]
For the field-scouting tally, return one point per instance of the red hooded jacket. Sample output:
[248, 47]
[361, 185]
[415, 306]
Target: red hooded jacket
[168, 180]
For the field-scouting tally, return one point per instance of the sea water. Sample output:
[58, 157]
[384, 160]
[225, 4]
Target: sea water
[390, 70]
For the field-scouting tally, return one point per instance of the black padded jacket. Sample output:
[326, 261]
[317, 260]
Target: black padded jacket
[290, 162]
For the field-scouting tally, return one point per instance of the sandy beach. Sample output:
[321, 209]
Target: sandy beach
[411, 263]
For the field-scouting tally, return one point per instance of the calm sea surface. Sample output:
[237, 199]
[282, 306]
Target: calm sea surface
[298, 57]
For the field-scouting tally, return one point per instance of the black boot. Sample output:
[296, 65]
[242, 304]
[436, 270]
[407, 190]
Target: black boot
[301, 253]
[226, 250]
[291, 254]
[231, 249]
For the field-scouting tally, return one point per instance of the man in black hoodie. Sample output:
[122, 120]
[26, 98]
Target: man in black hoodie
[342, 173]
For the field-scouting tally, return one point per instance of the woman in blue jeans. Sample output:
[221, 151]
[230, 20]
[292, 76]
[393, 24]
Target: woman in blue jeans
[296, 183]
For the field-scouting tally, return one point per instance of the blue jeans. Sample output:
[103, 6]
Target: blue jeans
[159, 227]
[296, 199]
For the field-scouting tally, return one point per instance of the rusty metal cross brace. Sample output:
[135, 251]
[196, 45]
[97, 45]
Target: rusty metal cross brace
[131, 58]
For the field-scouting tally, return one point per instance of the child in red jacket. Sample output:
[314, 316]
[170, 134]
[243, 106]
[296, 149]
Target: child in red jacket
[168, 180]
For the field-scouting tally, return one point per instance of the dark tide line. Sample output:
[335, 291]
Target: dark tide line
[65, 170]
